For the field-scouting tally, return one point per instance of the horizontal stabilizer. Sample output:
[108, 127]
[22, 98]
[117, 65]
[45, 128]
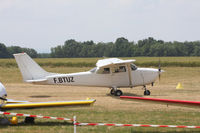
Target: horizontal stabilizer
[36, 80]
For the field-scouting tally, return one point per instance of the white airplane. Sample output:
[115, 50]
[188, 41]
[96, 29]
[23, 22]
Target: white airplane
[113, 73]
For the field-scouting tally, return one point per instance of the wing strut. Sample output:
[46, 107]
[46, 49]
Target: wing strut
[129, 75]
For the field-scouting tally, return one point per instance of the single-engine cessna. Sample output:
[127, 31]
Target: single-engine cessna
[113, 73]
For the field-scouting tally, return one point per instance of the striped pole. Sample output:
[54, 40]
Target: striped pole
[74, 120]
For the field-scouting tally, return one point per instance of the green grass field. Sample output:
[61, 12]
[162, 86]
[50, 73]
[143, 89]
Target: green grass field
[107, 109]
[90, 62]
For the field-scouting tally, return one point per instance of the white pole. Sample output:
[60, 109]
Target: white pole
[74, 124]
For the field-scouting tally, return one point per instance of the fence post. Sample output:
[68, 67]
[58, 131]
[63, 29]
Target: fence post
[74, 121]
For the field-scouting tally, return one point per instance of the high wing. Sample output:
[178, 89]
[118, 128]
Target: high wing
[112, 61]
[30, 105]
[195, 104]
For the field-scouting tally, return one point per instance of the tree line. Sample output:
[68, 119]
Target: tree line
[7, 52]
[124, 48]
[120, 48]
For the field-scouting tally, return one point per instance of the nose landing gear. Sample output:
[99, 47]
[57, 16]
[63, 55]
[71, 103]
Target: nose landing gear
[146, 92]
[118, 93]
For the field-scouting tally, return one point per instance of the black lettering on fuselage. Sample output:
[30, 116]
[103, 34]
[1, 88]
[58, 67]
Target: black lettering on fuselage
[72, 79]
[63, 80]
[60, 80]
[54, 79]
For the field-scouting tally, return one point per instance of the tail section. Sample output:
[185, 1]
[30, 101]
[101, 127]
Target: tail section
[30, 70]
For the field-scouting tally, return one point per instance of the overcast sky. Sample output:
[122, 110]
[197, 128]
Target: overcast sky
[42, 24]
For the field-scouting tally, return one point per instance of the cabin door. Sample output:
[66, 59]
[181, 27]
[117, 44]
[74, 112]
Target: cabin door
[120, 76]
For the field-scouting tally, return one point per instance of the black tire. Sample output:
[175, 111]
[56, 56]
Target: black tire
[118, 93]
[112, 91]
[147, 92]
[29, 120]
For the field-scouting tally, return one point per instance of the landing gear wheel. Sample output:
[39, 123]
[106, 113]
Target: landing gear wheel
[112, 91]
[118, 93]
[147, 92]
[29, 120]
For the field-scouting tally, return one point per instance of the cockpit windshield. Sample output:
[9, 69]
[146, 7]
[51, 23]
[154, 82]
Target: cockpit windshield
[133, 67]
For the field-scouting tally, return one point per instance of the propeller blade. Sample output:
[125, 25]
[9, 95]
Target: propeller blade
[159, 68]
[159, 76]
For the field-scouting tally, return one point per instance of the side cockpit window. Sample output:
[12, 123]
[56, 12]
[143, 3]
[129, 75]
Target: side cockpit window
[106, 70]
[119, 69]
[133, 67]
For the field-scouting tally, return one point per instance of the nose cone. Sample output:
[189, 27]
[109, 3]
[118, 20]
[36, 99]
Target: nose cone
[154, 74]
[150, 74]
[157, 71]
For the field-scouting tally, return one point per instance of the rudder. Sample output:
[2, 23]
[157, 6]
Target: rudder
[29, 68]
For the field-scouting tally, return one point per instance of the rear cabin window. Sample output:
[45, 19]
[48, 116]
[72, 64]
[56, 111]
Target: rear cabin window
[119, 69]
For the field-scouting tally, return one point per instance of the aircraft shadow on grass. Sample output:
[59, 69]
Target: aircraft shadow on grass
[40, 96]
[132, 94]
[125, 94]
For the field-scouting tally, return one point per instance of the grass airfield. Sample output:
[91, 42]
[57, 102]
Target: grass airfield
[107, 109]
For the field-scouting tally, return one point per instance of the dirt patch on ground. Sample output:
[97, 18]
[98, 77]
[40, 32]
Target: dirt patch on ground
[36, 93]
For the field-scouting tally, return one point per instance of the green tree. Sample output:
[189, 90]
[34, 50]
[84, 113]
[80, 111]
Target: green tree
[16, 49]
[3, 51]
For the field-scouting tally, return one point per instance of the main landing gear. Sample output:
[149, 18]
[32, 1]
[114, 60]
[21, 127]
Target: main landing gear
[116, 92]
[146, 92]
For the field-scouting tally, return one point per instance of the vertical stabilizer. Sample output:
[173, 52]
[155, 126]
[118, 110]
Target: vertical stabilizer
[29, 68]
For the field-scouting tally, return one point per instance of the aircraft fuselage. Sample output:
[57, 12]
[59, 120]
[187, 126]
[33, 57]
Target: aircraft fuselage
[141, 76]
